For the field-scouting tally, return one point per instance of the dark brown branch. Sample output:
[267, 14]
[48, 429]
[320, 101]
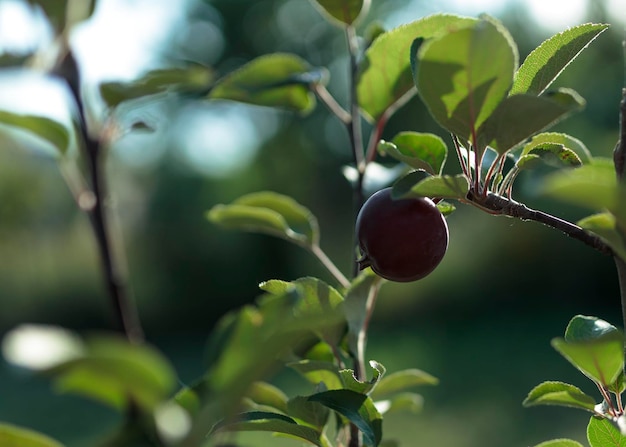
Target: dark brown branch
[497, 204]
[125, 311]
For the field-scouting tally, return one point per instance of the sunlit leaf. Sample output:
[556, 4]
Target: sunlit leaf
[560, 443]
[463, 75]
[310, 413]
[553, 154]
[385, 74]
[419, 150]
[318, 300]
[603, 433]
[272, 422]
[13, 436]
[402, 381]
[344, 12]
[268, 395]
[48, 130]
[410, 402]
[187, 79]
[582, 328]
[559, 393]
[519, 117]
[319, 372]
[567, 141]
[445, 186]
[601, 359]
[544, 64]
[362, 386]
[271, 213]
[605, 226]
[358, 409]
[274, 80]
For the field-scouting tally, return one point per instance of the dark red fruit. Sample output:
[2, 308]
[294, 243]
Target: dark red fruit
[401, 240]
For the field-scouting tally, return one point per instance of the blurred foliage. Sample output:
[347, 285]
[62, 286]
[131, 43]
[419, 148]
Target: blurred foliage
[186, 273]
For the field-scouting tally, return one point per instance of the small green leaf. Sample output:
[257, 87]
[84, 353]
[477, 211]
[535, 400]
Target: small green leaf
[560, 443]
[268, 395]
[401, 381]
[592, 185]
[364, 387]
[582, 328]
[385, 79]
[463, 75]
[195, 78]
[113, 371]
[601, 359]
[553, 154]
[358, 298]
[274, 80]
[319, 372]
[605, 226]
[548, 60]
[13, 436]
[519, 117]
[559, 393]
[603, 433]
[410, 402]
[48, 130]
[271, 213]
[358, 409]
[310, 413]
[403, 186]
[444, 186]
[272, 422]
[343, 12]
[418, 150]
[567, 141]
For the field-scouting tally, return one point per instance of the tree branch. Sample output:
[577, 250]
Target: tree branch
[496, 204]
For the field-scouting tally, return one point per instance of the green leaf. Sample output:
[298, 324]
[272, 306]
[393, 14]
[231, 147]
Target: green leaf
[319, 372]
[418, 150]
[401, 381]
[548, 60]
[358, 409]
[270, 213]
[274, 80]
[385, 79]
[410, 402]
[605, 226]
[463, 75]
[268, 395]
[310, 413]
[272, 422]
[113, 371]
[595, 347]
[560, 443]
[603, 433]
[444, 186]
[582, 328]
[318, 300]
[559, 393]
[403, 185]
[592, 185]
[364, 387]
[519, 117]
[567, 141]
[553, 154]
[48, 130]
[13, 436]
[195, 78]
[343, 12]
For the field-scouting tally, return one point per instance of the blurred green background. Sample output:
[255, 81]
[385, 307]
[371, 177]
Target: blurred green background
[481, 323]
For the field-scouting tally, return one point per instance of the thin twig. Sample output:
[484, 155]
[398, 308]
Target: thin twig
[496, 204]
[125, 311]
[329, 100]
[330, 266]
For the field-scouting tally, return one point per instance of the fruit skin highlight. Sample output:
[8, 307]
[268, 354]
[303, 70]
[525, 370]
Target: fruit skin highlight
[401, 240]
